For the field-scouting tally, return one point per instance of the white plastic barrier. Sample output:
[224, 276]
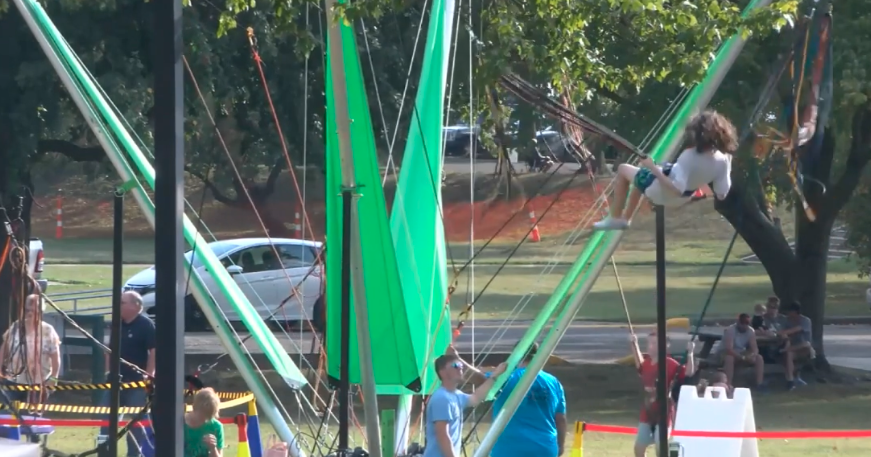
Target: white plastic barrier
[10, 448]
[709, 414]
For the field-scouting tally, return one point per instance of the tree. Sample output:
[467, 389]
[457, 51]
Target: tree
[842, 158]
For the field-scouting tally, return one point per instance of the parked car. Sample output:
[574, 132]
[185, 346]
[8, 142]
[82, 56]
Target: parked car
[458, 139]
[36, 263]
[252, 263]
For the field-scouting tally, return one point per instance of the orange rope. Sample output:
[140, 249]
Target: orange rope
[257, 60]
[238, 176]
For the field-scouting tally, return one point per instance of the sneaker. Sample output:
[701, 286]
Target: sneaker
[800, 382]
[610, 223]
[790, 385]
[762, 388]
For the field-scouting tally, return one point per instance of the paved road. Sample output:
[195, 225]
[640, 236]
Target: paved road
[584, 342]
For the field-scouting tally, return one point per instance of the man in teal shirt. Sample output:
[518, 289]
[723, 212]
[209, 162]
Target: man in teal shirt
[538, 428]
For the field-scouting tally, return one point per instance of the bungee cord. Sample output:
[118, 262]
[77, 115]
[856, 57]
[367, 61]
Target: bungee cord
[294, 288]
[268, 385]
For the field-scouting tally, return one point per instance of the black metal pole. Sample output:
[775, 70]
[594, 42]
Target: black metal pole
[662, 393]
[115, 339]
[168, 402]
[344, 372]
[5, 273]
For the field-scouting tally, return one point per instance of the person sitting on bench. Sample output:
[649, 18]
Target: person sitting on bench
[739, 346]
[795, 329]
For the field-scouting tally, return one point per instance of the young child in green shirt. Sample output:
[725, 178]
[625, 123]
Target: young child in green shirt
[203, 434]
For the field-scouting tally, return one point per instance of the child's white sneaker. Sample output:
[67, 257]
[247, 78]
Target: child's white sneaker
[610, 223]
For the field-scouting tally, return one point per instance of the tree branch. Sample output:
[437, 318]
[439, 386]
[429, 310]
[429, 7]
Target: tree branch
[216, 193]
[607, 93]
[860, 155]
[70, 150]
[274, 173]
[761, 235]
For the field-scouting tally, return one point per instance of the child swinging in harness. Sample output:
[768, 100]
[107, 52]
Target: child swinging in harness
[708, 160]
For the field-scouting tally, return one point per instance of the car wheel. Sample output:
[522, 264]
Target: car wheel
[194, 319]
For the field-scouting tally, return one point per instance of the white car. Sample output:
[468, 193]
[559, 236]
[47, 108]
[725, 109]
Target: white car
[257, 271]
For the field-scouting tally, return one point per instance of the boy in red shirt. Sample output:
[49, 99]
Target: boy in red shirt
[648, 369]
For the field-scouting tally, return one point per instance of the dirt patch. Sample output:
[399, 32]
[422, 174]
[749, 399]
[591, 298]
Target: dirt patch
[87, 207]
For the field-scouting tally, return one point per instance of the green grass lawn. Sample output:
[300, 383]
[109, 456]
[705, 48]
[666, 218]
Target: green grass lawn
[609, 394]
[697, 239]
[91, 280]
[96, 251]
[688, 286]
[740, 287]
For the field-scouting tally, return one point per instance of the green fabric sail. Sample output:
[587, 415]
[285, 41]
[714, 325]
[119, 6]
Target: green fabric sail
[394, 361]
[415, 221]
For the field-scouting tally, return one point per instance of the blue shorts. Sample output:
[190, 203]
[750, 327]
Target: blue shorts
[647, 436]
[643, 179]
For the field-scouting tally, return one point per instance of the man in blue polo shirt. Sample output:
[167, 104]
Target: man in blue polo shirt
[538, 427]
[138, 338]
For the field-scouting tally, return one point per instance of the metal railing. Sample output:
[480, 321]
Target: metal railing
[84, 295]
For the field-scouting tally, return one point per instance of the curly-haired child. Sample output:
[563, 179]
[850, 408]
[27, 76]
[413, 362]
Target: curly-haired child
[707, 161]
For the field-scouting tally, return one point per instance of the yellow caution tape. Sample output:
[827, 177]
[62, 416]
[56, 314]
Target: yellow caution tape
[72, 387]
[75, 409]
[106, 386]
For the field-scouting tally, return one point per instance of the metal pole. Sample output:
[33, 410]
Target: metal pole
[350, 190]
[344, 371]
[115, 332]
[169, 211]
[661, 337]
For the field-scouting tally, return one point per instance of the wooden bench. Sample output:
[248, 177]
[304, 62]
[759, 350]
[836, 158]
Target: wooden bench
[765, 343]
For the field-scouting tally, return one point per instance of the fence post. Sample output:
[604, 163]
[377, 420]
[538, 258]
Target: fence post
[59, 226]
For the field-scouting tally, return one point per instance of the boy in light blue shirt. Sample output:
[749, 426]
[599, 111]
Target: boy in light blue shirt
[444, 410]
[538, 427]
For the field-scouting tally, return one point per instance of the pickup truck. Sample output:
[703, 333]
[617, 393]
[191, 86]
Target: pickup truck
[36, 263]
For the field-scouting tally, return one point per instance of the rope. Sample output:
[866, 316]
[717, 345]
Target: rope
[708, 301]
[512, 253]
[252, 41]
[294, 288]
[768, 91]
[145, 147]
[535, 96]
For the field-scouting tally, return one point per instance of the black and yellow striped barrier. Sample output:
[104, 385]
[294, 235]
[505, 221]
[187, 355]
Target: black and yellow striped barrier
[241, 399]
[106, 386]
[74, 387]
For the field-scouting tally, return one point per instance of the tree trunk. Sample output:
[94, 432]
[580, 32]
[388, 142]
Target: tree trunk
[504, 168]
[812, 247]
[274, 225]
[801, 275]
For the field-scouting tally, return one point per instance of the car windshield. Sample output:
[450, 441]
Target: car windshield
[219, 248]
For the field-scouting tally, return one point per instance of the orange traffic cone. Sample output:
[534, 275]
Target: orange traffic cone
[535, 235]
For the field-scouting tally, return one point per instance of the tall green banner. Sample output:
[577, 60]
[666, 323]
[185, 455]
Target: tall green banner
[415, 221]
[395, 362]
